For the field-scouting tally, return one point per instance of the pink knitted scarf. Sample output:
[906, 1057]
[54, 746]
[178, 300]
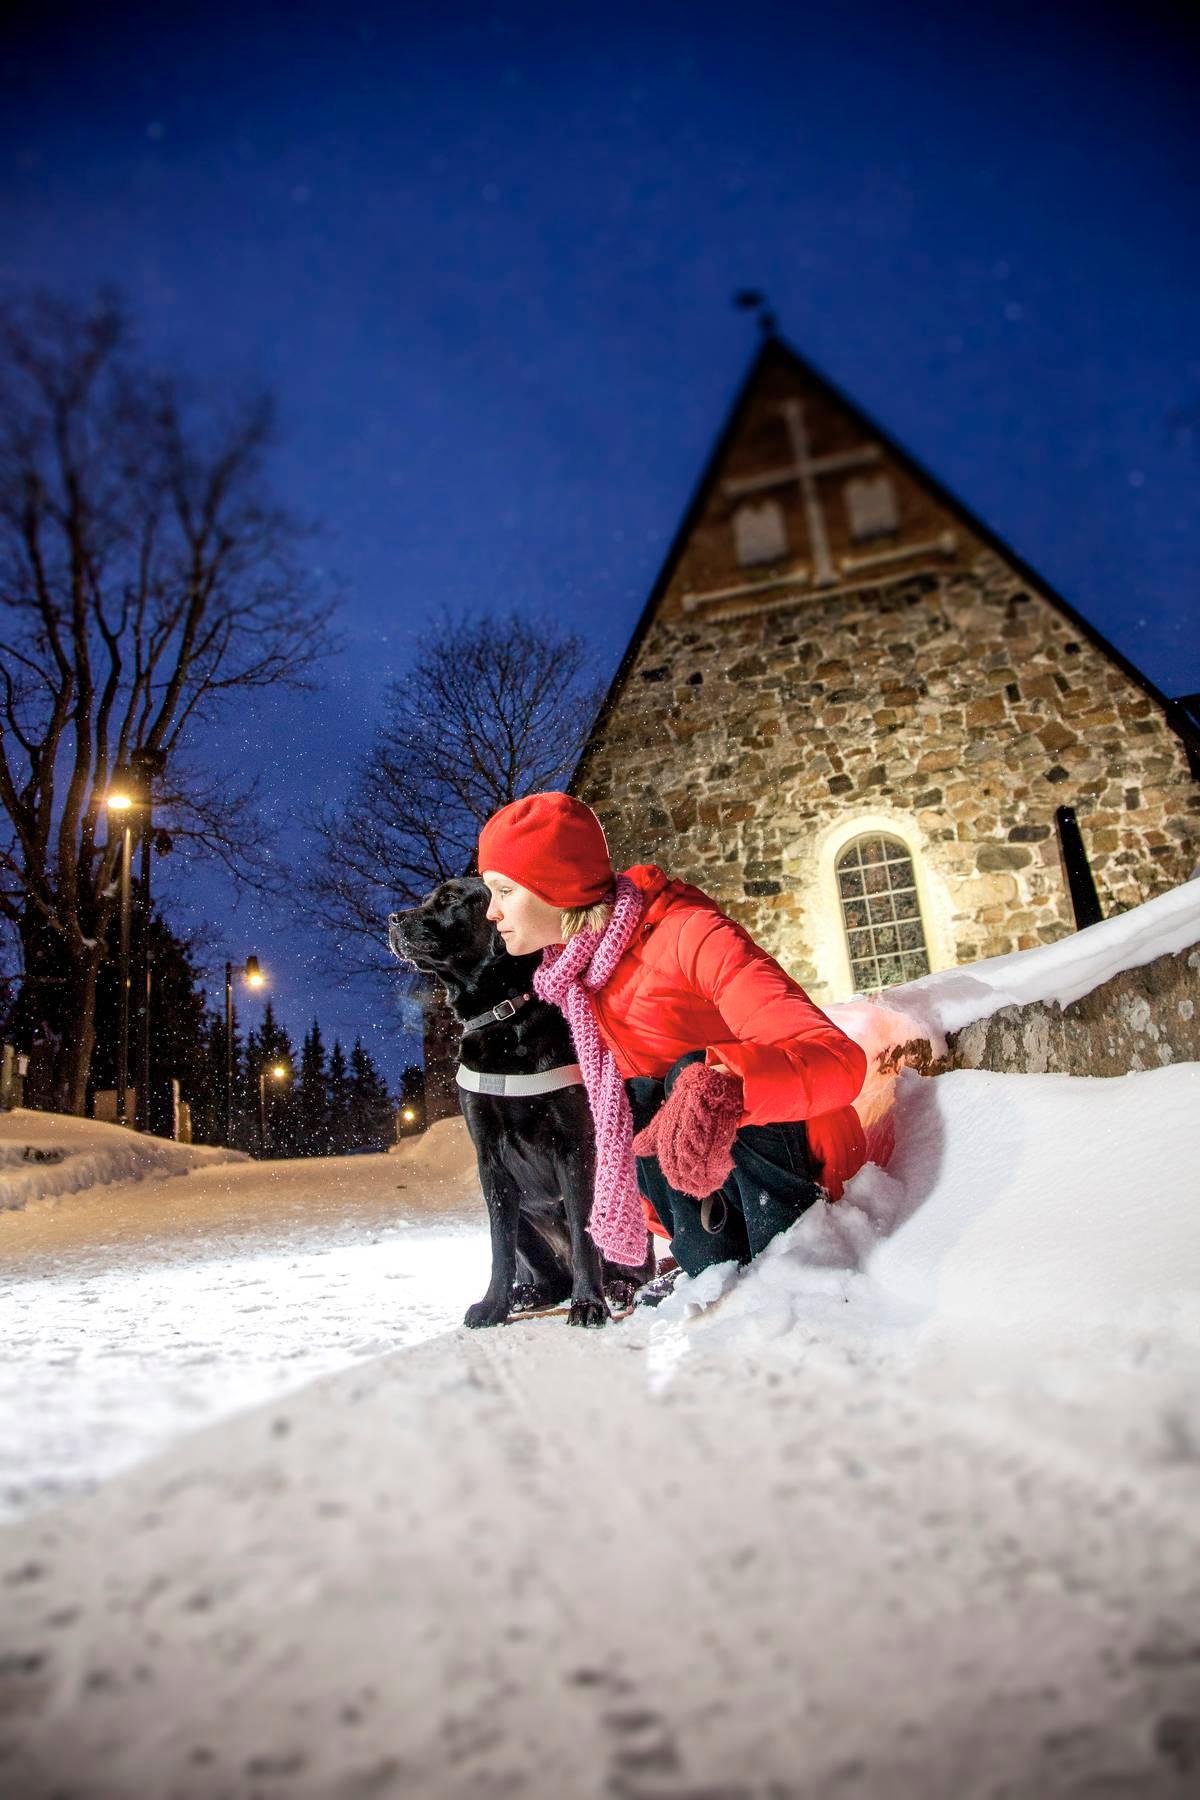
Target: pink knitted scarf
[567, 976]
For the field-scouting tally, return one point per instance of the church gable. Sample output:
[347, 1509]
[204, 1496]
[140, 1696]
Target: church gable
[805, 497]
[850, 716]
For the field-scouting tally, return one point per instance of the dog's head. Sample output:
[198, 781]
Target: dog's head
[449, 933]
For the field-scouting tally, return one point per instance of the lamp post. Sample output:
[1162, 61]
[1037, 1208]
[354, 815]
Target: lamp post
[278, 1072]
[254, 978]
[131, 792]
[146, 764]
[120, 800]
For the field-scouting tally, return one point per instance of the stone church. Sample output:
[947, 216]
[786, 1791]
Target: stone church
[850, 713]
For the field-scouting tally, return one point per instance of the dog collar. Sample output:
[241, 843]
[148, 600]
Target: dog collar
[517, 1086]
[496, 1015]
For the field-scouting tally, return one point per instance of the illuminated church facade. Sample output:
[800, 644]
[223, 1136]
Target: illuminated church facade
[852, 715]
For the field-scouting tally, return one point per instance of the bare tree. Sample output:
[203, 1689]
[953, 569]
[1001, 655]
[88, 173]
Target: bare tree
[146, 581]
[492, 708]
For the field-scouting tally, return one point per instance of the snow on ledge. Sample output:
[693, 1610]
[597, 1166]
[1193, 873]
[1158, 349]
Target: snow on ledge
[43, 1155]
[1060, 972]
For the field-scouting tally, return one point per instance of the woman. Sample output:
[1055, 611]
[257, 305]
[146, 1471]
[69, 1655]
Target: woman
[702, 1058]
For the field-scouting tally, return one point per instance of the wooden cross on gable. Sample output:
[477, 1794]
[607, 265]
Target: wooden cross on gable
[806, 469]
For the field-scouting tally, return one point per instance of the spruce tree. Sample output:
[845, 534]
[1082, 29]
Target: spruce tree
[370, 1106]
[178, 1025]
[208, 1107]
[411, 1098]
[274, 1100]
[339, 1101]
[313, 1097]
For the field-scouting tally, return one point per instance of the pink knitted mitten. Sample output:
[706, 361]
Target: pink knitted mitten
[693, 1130]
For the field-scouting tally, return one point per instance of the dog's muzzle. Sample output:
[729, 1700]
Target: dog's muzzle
[400, 941]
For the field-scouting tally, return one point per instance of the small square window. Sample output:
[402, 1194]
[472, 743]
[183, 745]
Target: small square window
[759, 533]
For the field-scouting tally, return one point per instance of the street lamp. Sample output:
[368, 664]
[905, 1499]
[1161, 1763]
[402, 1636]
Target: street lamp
[129, 793]
[278, 1072]
[254, 977]
[121, 798]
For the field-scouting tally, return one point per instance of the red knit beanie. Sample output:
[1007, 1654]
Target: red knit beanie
[551, 844]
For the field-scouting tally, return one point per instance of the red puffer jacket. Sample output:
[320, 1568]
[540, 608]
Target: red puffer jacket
[693, 979]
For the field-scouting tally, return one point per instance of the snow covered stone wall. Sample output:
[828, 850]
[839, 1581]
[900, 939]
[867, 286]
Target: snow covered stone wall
[1141, 1019]
[1122, 996]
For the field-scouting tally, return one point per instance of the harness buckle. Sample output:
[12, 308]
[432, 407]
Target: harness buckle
[504, 1010]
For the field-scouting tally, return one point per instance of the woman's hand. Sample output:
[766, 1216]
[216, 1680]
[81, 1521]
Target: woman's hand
[693, 1130]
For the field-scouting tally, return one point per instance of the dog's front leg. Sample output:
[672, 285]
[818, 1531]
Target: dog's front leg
[503, 1203]
[588, 1305]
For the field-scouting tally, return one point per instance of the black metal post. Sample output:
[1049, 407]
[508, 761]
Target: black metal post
[262, 1112]
[229, 1054]
[143, 1084]
[123, 998]
[1084, 899]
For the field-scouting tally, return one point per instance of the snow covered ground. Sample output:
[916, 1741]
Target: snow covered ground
[139, 1309]
[908, 1511]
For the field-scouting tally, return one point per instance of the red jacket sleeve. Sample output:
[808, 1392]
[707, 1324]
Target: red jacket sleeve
[793, 1060]
[838, 1144]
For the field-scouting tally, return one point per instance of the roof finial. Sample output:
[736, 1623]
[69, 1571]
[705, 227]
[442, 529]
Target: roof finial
[751, 300]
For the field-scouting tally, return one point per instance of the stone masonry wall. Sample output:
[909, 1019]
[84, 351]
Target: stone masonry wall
[957, 708]
[1142, 1019]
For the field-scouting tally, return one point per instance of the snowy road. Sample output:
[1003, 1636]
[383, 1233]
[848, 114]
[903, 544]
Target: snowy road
[508, 1565]
[138, 1311]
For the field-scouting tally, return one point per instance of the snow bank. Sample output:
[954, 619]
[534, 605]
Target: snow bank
[1044, 1197]
[1060, 972]
[1012, 1201]
[442, 1159]
[43, 1155]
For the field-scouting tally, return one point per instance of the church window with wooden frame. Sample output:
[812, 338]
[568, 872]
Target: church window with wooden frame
[882, 915]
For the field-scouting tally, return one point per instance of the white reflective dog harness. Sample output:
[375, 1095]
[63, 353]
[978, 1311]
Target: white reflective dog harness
[515, 1087]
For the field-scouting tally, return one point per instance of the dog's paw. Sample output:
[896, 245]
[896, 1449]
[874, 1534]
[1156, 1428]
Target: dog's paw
[486, 1312]
[535, 1296]
[588, 1313]
[620, 1291]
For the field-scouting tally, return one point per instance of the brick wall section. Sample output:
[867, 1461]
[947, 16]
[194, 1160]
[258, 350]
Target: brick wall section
[960, 703]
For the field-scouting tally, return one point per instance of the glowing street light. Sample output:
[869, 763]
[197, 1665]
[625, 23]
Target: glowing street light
[279, 1072]
[254, 978]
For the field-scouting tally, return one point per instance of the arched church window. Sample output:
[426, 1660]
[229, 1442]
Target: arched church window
[759, 533]
[871, 507]
[882, 915]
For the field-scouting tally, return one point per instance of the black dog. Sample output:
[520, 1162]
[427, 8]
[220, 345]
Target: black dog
[536, 1152]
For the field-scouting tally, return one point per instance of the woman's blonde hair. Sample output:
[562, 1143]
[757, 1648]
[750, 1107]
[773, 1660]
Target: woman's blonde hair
[585, 918]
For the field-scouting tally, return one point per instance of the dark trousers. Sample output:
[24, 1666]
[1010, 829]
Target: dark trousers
[770, 1185]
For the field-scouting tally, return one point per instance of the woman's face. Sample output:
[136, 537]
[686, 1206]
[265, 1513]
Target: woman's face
[525, 921]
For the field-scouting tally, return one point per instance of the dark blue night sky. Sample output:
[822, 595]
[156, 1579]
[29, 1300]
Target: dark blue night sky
[485, 257]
